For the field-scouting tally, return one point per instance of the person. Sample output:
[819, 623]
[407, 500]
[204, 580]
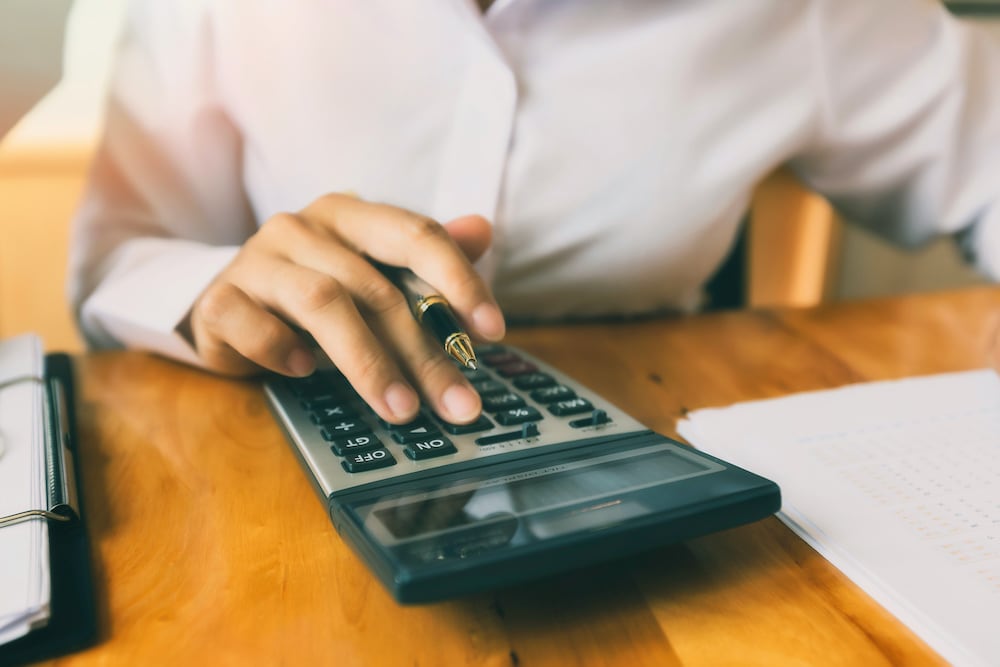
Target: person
[528, 159]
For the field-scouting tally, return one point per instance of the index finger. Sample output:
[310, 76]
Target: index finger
[398, 237]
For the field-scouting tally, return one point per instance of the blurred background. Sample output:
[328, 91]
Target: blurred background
[44, 159]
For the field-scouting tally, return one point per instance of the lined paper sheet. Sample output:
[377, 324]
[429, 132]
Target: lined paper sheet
[897, 484]
[24, 547]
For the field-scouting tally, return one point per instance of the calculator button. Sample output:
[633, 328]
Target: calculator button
[596, 418]
[321, 398]
[489, 348]
[415, 434]
[481, 424]
[516, 368]
[344, 428]
[534, 381]
[429, 448]
[477, 375]
[419, 420]
[518, 415]
[499, 358]
[559, 392]
[370, 459]
[528, 430]
[489, 388]
[324, 414]
[344, 446]
[571, 407]
[502, 402]
[318, 383]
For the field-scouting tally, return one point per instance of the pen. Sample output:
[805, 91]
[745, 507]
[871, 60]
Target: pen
[433, 311]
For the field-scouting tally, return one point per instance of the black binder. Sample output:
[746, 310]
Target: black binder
[72, 623]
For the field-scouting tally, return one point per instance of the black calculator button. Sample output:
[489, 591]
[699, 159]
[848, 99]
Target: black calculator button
[325, 414]
[477, 375]
[518, 415]
[429, 448]
[489, 348]
[559, 392]
[573, 406]
[515, 369]
[502, 402]
[596, 418]
[320, 382]
[489, 388]
[533, 381]
[319, 399]
[419, 420]
[499, 358]
[481, 424]
[344, 428]
[528, 430]
[370, 459]
[344, 446]
[415, 434]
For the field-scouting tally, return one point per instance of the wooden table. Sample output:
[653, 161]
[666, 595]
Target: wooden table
[211, 548]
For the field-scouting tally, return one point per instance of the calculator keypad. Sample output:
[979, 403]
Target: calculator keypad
[525, 405]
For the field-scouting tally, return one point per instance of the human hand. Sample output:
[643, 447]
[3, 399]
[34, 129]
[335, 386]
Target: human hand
[309, 270]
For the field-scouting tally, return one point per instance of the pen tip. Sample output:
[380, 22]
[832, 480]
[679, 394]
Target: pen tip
[471, 363]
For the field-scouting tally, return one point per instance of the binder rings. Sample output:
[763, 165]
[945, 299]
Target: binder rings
[72, 621]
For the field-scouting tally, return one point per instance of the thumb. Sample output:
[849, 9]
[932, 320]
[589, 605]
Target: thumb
[472, 233]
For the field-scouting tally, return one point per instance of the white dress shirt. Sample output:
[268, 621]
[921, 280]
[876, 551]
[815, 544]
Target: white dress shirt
[614, 145]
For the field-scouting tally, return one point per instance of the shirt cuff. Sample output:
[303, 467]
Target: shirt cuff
[149, 291]
[981, 243]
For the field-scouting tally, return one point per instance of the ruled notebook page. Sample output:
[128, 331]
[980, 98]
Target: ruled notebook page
[897, 484]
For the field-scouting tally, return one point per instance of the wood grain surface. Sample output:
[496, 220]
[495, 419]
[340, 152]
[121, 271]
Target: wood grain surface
[211, 548]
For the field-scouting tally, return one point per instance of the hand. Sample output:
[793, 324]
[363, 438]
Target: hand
[309, 270]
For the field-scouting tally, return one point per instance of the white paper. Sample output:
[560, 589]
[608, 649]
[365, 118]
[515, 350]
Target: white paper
[897, 484]
[24, 547]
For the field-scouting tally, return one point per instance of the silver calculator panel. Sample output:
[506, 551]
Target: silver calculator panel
[330, 475]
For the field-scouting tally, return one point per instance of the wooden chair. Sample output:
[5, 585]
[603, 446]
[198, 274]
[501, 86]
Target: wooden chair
[786, 254]
[792, 245]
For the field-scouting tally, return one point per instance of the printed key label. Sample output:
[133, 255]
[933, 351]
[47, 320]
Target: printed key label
[425, 449]
[369, 456]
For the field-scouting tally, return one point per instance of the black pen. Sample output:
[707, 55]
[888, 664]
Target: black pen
[433, 311]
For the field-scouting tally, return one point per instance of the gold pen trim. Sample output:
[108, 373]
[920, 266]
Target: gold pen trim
[426, 302]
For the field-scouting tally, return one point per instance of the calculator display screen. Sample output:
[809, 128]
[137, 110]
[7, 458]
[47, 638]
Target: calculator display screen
[528, 505]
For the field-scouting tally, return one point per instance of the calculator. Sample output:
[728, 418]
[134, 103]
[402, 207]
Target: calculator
[551, 476]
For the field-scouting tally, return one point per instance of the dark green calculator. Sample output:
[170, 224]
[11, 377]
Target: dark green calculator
[551, 477]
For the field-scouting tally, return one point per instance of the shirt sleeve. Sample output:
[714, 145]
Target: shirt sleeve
[164, 209]
[909, 138]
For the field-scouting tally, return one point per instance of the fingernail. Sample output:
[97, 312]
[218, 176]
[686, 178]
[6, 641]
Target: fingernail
[401, 400]
[488, 321]
[300, 363]
[461, 403]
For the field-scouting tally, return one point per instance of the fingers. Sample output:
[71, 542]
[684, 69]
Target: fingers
[320, 304]
[385, 311]
[231, 329]
[472, 233]
[402, 238]
[311, 271]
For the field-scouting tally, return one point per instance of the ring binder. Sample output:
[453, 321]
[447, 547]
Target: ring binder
[59, 472]
[70, 623]
[10, 382]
